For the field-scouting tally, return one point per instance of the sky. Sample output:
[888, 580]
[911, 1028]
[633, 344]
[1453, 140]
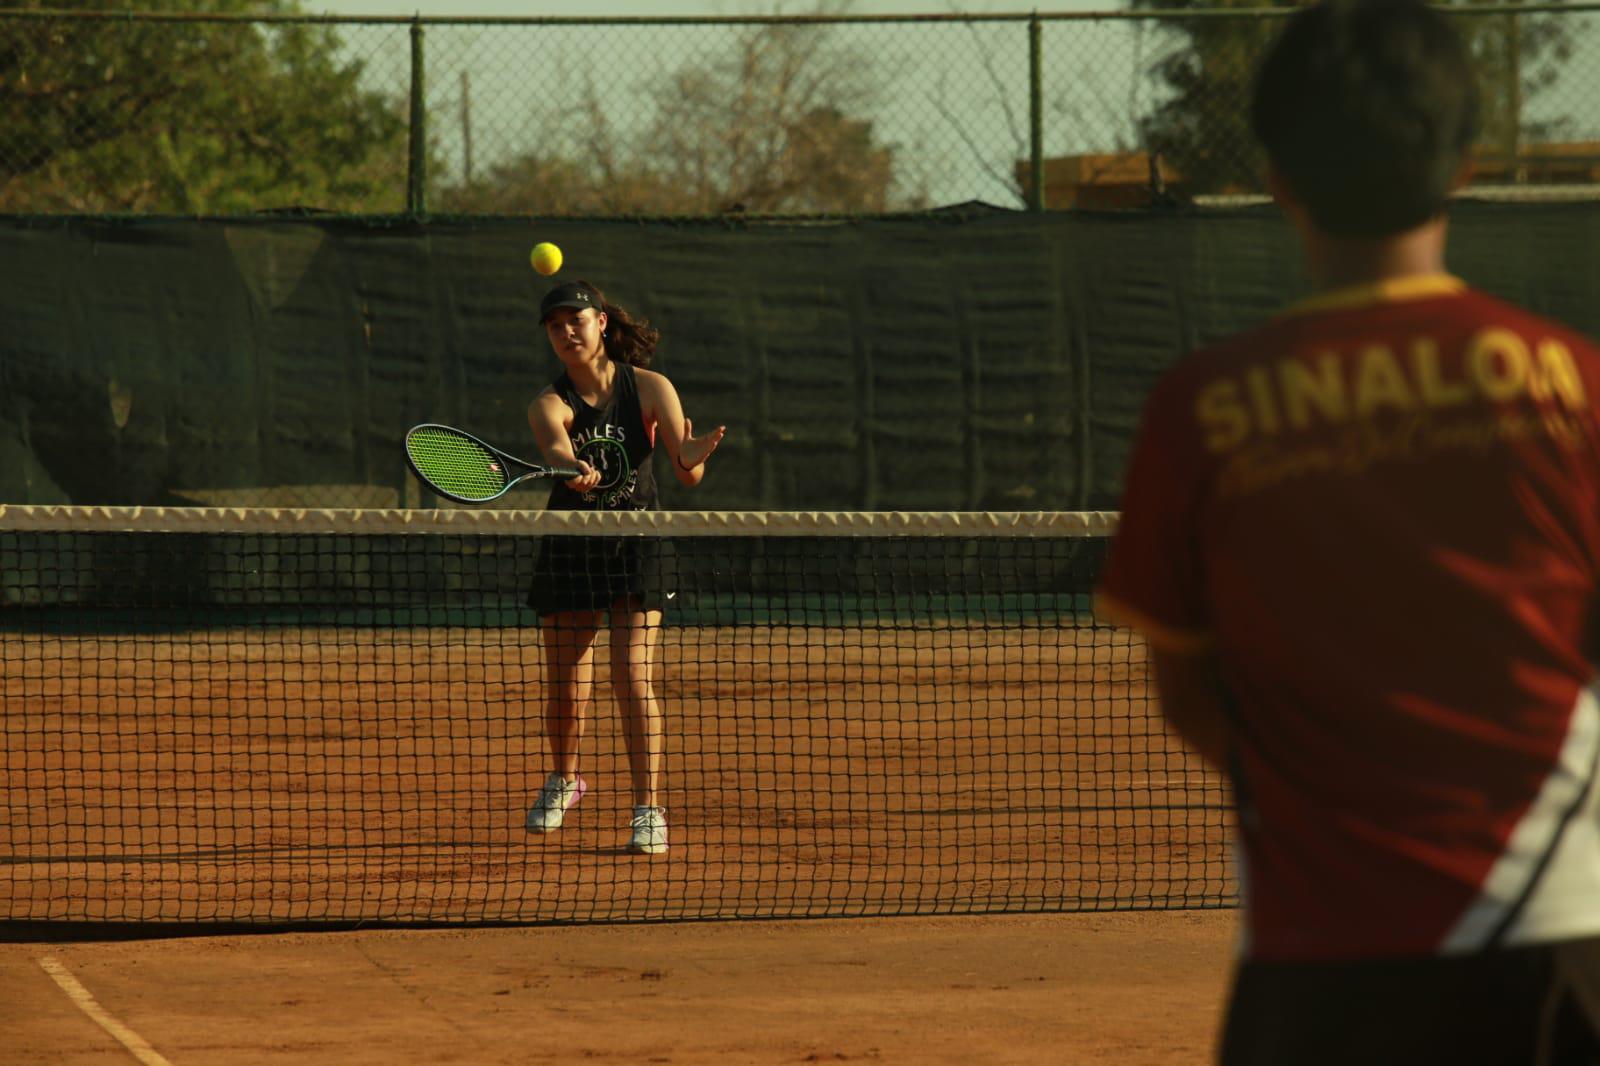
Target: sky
[953, 120]
[956, 126]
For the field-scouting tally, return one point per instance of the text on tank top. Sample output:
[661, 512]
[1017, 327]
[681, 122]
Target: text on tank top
[614, 441]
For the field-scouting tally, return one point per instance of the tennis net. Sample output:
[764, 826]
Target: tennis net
[335, 717]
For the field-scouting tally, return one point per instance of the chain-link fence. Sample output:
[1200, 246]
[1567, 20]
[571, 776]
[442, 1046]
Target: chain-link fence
[799, 115]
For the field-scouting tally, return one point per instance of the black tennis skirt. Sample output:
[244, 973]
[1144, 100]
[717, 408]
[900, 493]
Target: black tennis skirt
[594, 573]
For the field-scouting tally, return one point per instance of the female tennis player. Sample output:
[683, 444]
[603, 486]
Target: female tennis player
[605, 415]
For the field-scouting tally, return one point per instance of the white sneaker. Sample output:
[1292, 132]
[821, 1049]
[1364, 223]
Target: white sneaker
[647, 832]
[556, 798]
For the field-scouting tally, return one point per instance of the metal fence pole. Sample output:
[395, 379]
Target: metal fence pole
[1035, 114]
[417, 164]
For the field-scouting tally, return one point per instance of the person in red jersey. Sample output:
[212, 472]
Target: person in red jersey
[1363, 544]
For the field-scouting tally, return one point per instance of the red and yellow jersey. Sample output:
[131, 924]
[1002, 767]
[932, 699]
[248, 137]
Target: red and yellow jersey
[1381, 513]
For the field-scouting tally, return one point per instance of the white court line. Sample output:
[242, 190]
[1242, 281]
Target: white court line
[86, 1003]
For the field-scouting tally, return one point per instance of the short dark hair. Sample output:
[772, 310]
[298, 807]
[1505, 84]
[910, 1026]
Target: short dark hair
[1367, 109]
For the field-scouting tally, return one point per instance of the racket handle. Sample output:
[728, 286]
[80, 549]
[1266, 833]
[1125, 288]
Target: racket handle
[563, 473]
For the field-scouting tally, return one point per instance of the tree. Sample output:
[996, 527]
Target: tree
[1203, 127]
[193, 118]
[1519, 58]
[1083, 110]
[768, 126]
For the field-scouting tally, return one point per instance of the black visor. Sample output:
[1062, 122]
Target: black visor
[573, 294]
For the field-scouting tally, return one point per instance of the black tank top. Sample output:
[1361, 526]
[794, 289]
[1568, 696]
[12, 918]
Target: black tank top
[612, 439]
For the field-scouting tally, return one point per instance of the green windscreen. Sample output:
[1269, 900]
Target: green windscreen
[455, 464]
[1017, 347]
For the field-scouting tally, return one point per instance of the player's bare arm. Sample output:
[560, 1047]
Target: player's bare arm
[1195, 702]
[674, 430]
[549, 418]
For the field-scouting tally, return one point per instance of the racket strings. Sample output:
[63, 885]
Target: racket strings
[455, 464]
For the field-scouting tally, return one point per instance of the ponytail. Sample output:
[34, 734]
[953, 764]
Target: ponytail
[627, 339]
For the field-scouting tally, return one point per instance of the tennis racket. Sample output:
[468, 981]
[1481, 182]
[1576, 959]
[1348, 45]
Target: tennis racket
[460, 467]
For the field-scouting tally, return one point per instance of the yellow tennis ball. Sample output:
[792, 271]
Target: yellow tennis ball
[546, 258]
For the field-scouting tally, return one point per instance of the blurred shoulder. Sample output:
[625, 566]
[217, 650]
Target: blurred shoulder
[1490, 310]
[651, 382]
